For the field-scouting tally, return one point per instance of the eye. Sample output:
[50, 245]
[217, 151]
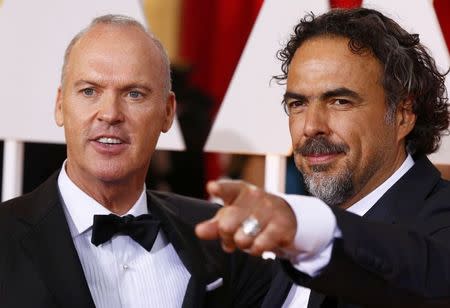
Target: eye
[341, 101]
[135, 94]
[88, 92]
[294, 106]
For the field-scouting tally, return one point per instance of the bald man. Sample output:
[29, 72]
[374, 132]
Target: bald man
[92, 235]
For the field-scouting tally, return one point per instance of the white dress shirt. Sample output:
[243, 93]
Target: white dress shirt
[317, 229]
[120, 272]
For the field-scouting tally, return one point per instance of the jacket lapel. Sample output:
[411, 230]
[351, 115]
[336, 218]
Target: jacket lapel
[48, 243]
[400, 203]
[406, 198]
[315, 299]
[192, 254]
[279, 289]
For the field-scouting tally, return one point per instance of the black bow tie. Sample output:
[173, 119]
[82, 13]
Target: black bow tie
[143, 229]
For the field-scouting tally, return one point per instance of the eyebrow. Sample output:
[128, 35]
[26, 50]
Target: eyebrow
[293, 95]
[81, 82]
[136, 86]
[341, 92]
[124, 88]
[326, 95]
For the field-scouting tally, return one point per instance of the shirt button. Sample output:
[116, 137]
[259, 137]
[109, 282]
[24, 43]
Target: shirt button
[125, 267]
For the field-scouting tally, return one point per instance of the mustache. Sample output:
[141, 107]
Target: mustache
[320, 146]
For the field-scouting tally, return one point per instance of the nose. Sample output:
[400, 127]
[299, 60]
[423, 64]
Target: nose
[316, 121]
[110, 109]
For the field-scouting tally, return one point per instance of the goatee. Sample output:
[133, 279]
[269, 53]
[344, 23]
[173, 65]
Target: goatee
[333, 189]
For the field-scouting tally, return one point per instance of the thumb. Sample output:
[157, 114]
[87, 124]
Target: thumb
[227, 190]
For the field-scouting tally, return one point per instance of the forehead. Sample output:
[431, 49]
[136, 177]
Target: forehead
[116, 52]
[327, 62]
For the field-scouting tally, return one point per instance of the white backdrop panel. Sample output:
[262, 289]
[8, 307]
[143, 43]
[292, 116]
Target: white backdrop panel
[251, 119]
[33, 37]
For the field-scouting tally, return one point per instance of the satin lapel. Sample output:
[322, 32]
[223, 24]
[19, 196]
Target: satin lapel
[49, 245]
[187, 246]
[315, 299]
[403, 200]
[279, 289]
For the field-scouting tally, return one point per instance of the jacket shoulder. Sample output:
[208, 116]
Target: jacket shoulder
[8, 211]
[30, 205]
[190, 209]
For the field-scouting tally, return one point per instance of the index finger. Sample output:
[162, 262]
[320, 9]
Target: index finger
[208, 230]
[227, 190]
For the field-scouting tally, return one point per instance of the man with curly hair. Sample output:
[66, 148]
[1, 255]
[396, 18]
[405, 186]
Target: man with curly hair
[366, 104]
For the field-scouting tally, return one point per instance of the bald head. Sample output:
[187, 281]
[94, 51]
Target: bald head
[106, 22]
[114, 103]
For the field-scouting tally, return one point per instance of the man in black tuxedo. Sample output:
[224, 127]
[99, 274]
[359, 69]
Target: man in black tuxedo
[91, 235]
[366, 103]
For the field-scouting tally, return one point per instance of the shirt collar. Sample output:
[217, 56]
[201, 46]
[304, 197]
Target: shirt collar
[81, 207]
[362, 206]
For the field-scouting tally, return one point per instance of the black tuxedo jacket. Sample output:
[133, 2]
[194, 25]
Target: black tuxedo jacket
[39, 266]
[397, 255]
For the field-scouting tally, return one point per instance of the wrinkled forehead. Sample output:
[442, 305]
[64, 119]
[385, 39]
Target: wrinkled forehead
[333, 53]
[326, 63]
[116, 39]
[118, 51]
[332, 47]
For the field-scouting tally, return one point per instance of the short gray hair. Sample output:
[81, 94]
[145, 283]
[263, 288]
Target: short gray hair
[120, 20]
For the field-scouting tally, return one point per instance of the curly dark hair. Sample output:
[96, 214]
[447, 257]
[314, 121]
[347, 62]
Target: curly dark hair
[409, 71]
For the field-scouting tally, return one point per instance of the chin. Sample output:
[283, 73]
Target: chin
[110, 177]
[110, 172]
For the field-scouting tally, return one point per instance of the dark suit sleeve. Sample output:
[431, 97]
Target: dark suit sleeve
[388, 264]
[250, 279]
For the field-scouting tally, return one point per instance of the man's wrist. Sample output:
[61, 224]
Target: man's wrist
[316, 226]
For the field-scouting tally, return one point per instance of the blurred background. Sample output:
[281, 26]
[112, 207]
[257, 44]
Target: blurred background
[204, 39]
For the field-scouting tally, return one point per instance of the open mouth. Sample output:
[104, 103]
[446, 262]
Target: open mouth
[109, 145]
[109, 140]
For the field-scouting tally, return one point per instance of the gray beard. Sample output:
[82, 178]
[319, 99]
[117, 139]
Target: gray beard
[334, 190]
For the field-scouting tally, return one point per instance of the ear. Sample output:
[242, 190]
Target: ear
[59, 116]
[406, 119]
[171, 107]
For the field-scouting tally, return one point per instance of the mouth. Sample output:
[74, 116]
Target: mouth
[109, 140]
[321, 158]
[109, 145]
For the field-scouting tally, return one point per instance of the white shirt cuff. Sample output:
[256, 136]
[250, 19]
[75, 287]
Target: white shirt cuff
[316, 230]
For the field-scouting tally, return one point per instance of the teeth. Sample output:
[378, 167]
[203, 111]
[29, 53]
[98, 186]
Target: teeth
[109, 140]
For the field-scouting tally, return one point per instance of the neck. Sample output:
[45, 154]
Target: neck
[117, 196]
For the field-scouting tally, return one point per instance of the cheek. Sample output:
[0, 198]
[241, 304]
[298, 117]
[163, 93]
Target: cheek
[75, 126]
[383, 141]
[147, 130]
[353, 128]
[370, 142]
[296, 131]
[76, 113]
